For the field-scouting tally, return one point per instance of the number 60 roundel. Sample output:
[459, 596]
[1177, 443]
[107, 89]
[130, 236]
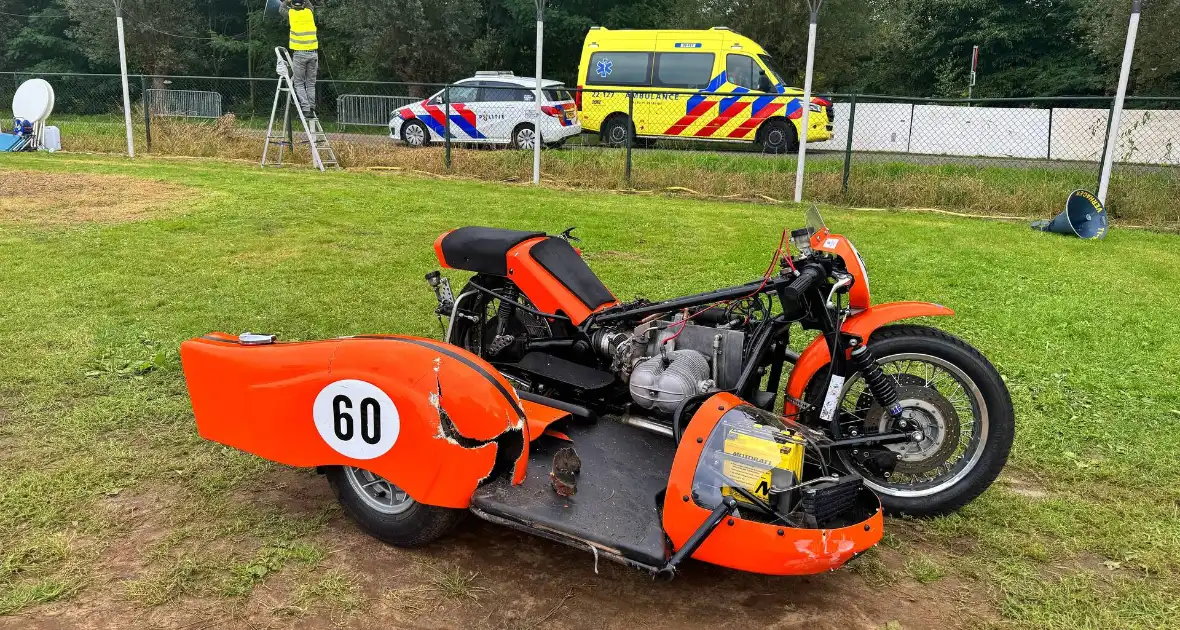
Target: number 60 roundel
[356, 418]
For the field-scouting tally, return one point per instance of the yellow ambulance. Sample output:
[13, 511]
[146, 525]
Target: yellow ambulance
[703, 84]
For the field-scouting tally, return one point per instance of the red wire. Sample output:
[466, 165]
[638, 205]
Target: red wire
[765, 278]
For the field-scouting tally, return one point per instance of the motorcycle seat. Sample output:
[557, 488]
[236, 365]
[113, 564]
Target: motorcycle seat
[481, 249]
[486, 250]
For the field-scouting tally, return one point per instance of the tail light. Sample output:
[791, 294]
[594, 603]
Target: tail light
[556, 112]
[578, 98]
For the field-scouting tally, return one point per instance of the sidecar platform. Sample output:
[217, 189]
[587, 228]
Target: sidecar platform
[616, 509]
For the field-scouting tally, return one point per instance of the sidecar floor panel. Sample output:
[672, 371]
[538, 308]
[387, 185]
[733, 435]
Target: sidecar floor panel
[618, 499]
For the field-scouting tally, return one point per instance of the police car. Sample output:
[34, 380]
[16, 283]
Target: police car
[491, 107]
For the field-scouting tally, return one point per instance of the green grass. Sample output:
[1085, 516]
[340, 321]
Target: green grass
[1082, 531]
[1139, 195]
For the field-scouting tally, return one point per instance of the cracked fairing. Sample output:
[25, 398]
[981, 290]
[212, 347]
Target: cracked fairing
[430, 417]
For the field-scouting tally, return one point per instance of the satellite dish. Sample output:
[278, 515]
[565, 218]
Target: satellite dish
[33, 101]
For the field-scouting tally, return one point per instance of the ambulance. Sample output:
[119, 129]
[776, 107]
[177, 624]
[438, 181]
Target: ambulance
[709, 84]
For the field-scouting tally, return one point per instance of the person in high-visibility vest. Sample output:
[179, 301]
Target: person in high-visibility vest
[305, 59]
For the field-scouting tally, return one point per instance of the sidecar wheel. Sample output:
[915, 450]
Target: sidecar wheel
[961, 404]
[387, 513]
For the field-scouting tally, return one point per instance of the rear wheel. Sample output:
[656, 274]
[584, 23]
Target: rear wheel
[385, 511]
[957, 399]
[524, 137]
[489, 327]
[778, 136]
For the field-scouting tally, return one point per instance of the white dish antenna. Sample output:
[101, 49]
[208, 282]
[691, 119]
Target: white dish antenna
[33, 101]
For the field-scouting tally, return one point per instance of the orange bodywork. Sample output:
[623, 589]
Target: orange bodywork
[825, 241]
[862, 324]
[748, 545]
[450, 420]
[546, 293]
[540, 417]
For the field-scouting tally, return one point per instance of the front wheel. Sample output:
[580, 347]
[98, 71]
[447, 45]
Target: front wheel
[779, 136]
[414, 134]
[385, 511]
[957, 399]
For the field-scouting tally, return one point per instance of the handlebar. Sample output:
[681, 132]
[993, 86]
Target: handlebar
[807, 278]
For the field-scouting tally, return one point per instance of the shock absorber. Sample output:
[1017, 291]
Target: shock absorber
[881, 386]
[504, 312]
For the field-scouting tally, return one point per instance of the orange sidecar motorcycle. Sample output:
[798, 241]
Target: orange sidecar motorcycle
[644, 432]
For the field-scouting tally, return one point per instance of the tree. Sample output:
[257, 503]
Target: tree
[1155, 68]
[41, 43]
[161, 37]
[406, 40]
[780, 26]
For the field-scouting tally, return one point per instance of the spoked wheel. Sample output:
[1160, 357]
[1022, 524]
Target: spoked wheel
[387, 512]
[490, 328]
[959, 404]
[376, 492]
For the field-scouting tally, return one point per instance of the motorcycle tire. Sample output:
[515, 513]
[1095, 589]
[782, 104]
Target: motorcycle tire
[991, 394]
[410, 524]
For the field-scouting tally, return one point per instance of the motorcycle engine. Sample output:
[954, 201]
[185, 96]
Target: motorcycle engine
[660, 373]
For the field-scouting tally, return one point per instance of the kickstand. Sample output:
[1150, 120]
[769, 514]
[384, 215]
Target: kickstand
[727, 506]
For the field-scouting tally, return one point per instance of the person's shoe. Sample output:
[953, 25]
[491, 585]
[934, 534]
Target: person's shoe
[309, 114]
[313, 113]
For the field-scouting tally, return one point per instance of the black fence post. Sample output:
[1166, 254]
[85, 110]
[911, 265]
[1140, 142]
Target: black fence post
[447, 127]
[910, 134]
[1049, 136]
[147, 111]
[1105, 143]
[630, 133]
[848, 146]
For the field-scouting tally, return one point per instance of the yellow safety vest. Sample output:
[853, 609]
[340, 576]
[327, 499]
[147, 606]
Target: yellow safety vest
[302, 30]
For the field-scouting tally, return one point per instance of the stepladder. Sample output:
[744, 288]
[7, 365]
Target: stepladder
[279, 140]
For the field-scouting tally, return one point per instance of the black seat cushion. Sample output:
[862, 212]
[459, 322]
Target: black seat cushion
[482, 249]
[560, 259]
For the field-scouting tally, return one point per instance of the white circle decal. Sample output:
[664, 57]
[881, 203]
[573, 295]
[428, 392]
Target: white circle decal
[356, 418]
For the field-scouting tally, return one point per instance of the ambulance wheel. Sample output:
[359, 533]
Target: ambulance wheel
[778, 136]
[386, 512]
[414, 133]
[523, 137]
[614, 131]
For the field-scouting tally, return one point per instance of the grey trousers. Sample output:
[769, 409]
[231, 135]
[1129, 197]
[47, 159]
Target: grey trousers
[305, 65]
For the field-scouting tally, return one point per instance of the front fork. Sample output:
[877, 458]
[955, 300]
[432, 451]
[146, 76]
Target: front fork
[883, 389]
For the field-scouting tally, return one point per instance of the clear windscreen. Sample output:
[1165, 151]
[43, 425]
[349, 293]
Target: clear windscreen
[815, 222]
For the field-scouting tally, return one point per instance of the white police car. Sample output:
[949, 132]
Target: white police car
[491, 107]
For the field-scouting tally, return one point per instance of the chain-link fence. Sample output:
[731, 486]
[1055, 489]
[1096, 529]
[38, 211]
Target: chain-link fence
[988, 156]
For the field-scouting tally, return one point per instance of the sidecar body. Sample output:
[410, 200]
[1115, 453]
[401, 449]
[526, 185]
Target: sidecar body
[743, 488]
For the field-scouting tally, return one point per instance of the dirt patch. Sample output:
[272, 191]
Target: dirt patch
[485, 577]
[1023, 484]
[69, 198]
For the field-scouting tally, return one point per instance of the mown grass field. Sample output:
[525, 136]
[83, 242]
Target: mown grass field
[1025, 188]
[114, 513]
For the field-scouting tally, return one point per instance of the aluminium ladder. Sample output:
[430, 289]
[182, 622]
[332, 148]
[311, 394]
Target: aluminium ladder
[322, 154]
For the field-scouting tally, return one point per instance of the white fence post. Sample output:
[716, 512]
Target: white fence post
[1116, 113]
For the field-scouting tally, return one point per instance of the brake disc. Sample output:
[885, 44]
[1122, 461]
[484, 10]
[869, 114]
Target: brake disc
[934, 416]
